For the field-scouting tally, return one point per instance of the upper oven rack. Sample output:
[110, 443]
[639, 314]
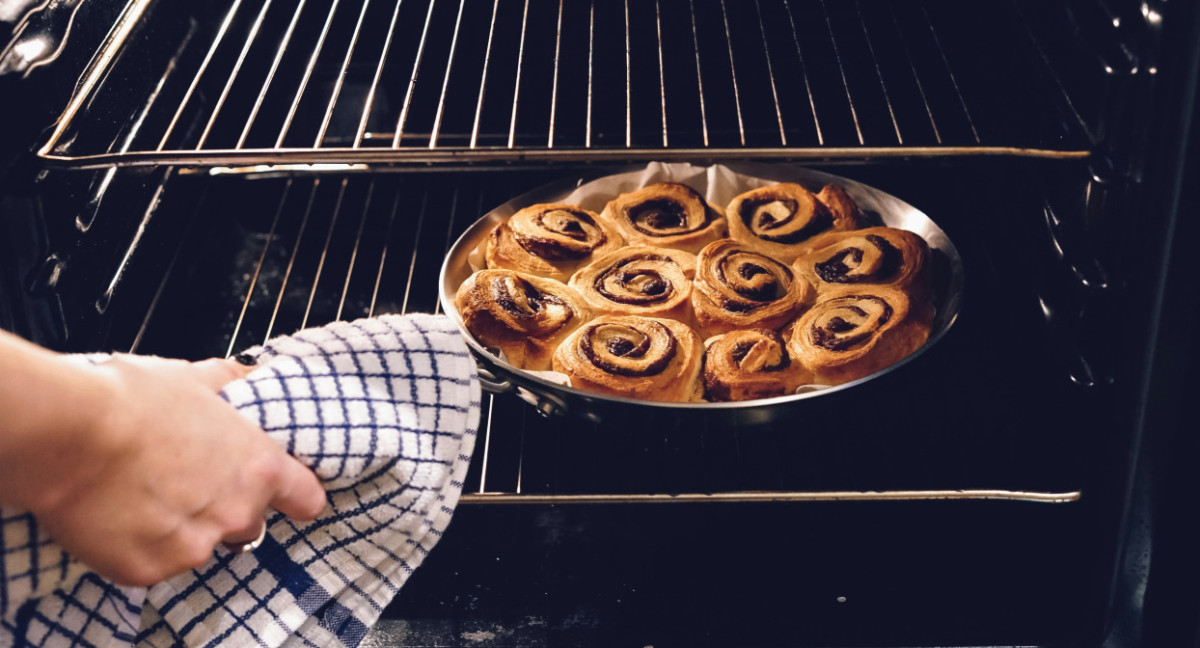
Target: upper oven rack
[266, 82]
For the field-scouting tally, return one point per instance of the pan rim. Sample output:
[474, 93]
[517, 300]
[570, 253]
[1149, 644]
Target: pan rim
[947, 313]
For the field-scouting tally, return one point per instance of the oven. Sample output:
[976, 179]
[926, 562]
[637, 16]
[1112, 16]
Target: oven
[191, 179]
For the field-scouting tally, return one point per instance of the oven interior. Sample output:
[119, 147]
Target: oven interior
[228, 171]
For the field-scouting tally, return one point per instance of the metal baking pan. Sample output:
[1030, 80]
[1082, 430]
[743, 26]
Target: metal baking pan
[594, 191]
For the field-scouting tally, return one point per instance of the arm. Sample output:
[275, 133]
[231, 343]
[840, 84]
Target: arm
[136, 466]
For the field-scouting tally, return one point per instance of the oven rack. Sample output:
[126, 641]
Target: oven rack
[265, 254]
[258, 82]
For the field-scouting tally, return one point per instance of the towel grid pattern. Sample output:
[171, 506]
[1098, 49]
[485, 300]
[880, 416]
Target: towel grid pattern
[384, 410]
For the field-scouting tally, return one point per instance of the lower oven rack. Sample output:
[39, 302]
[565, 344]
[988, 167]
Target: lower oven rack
[256, 82]
[485, 497]
[258, 255]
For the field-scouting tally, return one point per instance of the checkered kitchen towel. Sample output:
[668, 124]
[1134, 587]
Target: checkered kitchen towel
[385, 412]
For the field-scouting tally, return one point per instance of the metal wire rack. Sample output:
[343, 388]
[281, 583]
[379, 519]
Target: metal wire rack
[271, 253]
[252, 82]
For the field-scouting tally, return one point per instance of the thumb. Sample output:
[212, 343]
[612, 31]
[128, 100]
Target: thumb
[299, 494]
[215, 374]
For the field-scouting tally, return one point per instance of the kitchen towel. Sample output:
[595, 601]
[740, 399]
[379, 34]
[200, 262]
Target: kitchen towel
[385, 411]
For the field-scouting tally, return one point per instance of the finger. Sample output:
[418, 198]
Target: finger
[154, 561]
[247, 534]
[299, 494]
[215, 373]
[237, 519]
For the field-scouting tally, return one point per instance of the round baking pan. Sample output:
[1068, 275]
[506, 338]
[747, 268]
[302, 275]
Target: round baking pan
[554, 399]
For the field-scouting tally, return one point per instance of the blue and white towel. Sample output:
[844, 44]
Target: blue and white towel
[384, 410]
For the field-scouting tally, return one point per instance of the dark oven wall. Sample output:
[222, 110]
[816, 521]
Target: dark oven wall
[1021, 130]
[268, 255]
[41, 59]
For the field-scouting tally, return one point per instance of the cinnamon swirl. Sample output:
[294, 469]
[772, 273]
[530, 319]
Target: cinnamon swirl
[854, 332]
[524, 316]
[876, 256]
[666, 214]
[738, 288]
[749, 364]
[639, 280]
[780, 220]
[637, 357]
[550, 240]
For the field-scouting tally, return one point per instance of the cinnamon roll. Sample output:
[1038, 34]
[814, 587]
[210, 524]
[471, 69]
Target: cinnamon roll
[780, 220]
[524, 316]
[739, 288]
[876, 256]
[550, 240]
[637, 357]
[639, 280]
[666, 214]
[854, 332]
[749, 364]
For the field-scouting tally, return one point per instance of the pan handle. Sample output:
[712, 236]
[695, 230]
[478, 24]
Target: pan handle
[548, 405]
[493, 384]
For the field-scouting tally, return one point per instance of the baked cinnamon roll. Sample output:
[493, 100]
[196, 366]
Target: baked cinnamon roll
[637, 357]
[639, 280]
[666, 214]
[749, 364]
[854, 332]
[876, 256]
[524, 316]
[737, 288]
[550, 240]
[780, 220]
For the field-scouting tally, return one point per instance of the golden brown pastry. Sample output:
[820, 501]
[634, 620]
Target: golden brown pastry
[842, 206]
[780, 220]
[854, 332]
[639, 280]
[636, 357]
[524, 316]
[749, 364]
[737, 288]
[667, 214]
[876, 256]
[550, 240]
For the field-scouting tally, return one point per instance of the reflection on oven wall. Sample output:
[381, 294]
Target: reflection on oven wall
[147, 219]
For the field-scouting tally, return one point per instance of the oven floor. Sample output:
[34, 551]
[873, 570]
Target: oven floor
[523, 632]
[800, 574]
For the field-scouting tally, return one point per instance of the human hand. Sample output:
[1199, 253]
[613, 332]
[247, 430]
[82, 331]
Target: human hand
[164, 472]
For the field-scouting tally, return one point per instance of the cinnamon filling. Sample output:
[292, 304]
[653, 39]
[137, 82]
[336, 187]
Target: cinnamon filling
[574, 230]
[654, 216]
[740, 351]
[767, 356]
[522, 301]
[622, 350]
[622, 347]
[753, 277]
[847, 267]
[577, 226]
[669, 217]
[849, 321]
[839, 325]
[745, 361]
[779, 221]
[637, 285]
